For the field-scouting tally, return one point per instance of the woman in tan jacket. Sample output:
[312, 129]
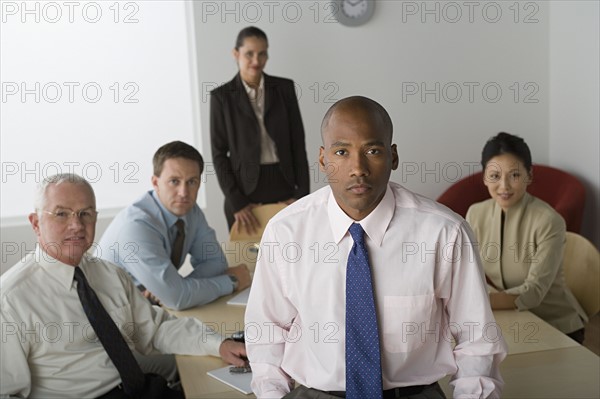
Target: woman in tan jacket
[521, 240]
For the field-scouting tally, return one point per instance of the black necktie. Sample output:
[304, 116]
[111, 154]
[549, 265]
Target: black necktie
[114, 344]
[178, 243]
[363, 358]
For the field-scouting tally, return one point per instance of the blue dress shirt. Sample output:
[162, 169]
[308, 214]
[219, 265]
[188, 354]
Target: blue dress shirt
[140, 240]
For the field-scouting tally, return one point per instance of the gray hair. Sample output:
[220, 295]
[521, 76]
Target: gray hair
[42, 187]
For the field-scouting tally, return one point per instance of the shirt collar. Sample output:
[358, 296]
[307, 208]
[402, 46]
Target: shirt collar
[250, 90]
[61, 272]
[375, 224]
[170, 218]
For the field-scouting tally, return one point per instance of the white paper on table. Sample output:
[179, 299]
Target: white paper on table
[240, 299]
[239, 381]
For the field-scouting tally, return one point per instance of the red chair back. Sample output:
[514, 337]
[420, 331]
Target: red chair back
[564, 192]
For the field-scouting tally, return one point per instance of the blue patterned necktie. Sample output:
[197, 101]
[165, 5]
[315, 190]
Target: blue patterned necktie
[113, 342]
[363, 359]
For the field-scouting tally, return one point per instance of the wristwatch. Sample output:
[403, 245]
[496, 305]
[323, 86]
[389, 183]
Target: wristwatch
[234, 281]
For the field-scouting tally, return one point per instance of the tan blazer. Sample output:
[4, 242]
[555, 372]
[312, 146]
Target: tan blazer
[528, 260]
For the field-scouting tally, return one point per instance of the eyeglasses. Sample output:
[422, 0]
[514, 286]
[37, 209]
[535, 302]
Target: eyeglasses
[86, 216]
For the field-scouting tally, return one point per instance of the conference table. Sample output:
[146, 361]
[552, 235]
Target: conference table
[542, 362]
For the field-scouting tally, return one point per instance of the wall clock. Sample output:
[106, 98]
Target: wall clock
[353, 12]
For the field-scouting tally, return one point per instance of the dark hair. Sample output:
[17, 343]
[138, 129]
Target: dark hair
[374, 109]
[506, 143]
[175, 149]
[250, 31]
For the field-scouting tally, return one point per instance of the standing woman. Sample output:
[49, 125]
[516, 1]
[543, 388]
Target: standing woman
[522, 239]
[257, 135]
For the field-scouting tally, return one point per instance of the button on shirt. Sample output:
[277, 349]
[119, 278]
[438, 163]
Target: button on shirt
[140, 240]
[429, 289]
[268, 150]
[49, 348]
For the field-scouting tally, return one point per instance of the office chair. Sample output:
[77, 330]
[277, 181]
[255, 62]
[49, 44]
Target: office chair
[581, 263]
[263, 213]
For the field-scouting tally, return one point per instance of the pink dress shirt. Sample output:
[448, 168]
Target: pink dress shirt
[430, 294]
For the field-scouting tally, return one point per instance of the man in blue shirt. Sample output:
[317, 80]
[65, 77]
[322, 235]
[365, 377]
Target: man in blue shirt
[151, 237]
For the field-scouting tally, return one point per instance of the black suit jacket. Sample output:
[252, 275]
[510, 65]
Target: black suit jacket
[235, 137]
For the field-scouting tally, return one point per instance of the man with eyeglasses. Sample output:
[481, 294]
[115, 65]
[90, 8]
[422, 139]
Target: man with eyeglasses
[69, 320]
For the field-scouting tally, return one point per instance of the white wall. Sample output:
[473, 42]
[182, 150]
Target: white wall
[438, 142]
[105, 137]
[139, 95]
[574, 122]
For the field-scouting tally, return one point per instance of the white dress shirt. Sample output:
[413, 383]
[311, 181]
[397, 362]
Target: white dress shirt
[429, 291]
[268, 150]
[50, 350]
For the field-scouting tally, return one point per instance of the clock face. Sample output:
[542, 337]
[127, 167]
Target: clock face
[354, 8]
[353, 12]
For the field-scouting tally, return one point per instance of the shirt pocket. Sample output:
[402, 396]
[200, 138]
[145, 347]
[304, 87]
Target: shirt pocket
[404, 321]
